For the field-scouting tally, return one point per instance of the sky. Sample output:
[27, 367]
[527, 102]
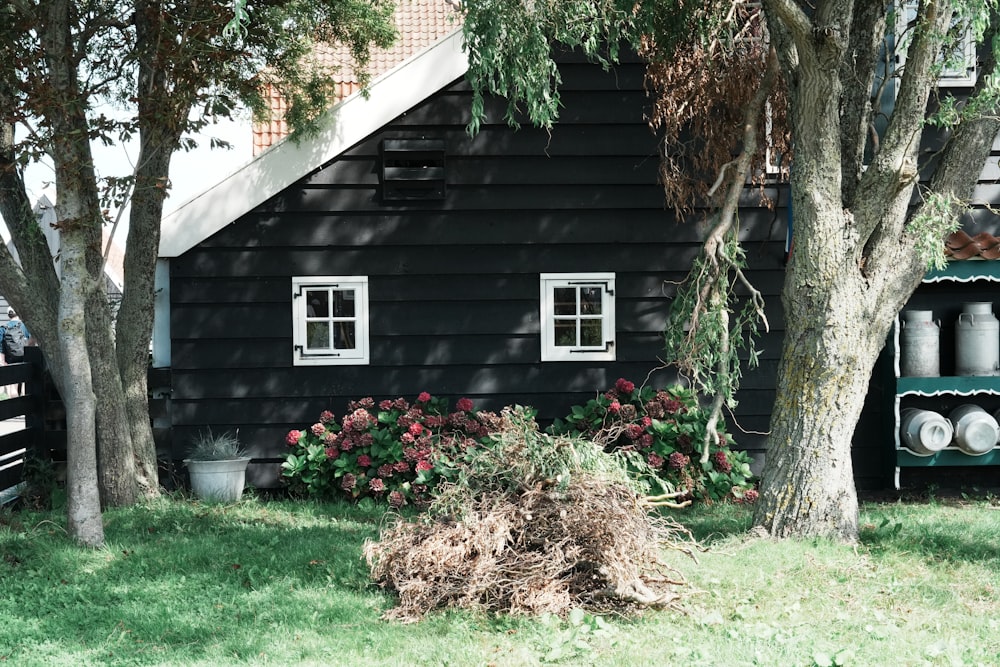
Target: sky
[190, 173]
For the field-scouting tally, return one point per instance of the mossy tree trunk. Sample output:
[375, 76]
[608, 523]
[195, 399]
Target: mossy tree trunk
[857, 253]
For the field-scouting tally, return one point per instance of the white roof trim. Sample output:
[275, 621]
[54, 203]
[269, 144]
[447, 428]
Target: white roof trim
[286, 162]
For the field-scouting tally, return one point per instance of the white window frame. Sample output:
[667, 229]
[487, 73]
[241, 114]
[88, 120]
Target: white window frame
[776, 166]
[302, 355]
[962, 74]
[550, 351]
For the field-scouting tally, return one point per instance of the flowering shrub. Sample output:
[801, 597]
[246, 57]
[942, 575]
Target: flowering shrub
[393, 450]
[667, 428]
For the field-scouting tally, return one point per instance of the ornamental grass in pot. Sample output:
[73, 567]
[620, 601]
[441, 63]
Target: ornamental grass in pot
[217, 466]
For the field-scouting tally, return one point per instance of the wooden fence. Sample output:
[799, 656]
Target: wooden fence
[44, 417]
[21, 417]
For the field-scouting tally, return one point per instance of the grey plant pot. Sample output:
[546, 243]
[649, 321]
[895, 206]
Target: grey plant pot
[218, 481]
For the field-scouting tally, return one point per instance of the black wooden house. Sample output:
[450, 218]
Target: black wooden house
[392, 253]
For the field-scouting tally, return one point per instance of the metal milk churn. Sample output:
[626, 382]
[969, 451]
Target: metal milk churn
[976, 430]
[921, 344]
[925, 432]
[977, 340]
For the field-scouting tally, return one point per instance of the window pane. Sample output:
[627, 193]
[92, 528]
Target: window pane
[564, 299]
[318, 303]
[343, 336]
[591, 333]
[590, 300]
[318, 335]
[565, 333]
[343, 303]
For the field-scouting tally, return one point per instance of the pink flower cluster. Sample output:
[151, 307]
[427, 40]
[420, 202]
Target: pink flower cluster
[403, 465]
[678, 461]
[358, 421]
[721, 463]
[624, 386]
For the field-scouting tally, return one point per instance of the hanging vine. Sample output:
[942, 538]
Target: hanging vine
[710, 325]
[715, 90]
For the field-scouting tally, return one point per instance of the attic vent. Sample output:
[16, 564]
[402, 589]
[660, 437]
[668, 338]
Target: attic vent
[412, 169]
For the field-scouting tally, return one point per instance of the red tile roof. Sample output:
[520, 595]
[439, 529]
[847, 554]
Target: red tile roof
[420, 23]
[962, 246]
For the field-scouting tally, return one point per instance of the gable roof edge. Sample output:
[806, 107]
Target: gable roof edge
[341, 127]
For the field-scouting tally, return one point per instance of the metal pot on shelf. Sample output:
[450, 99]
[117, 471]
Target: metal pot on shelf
[921, 344]
[977, 340]
[924, 432]
[976, 431]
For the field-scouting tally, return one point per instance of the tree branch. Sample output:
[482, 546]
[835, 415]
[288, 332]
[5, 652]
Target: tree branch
[795, 21]
[892, 174]
[710, 277]
[867, 41]
[959, 164]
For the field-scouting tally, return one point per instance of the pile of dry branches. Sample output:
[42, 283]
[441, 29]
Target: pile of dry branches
[517, 537]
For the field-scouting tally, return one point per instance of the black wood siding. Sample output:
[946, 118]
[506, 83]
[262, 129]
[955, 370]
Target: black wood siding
[454, 284]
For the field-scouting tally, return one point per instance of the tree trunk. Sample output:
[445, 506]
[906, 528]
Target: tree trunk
[853, 266]
[830, 348]
[162, 110]
[116, 456]
[78, 214]
[84, 509]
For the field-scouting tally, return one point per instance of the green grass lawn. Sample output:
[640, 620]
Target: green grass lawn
[283, 583]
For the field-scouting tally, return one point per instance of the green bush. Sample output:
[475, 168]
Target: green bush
[402, 452]
[392, 450]
[666, 427]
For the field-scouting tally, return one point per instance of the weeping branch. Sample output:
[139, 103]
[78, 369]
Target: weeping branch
[705, 351]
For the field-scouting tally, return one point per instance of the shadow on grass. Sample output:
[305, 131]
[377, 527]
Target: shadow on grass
[949, 532]
[709, 523]
[201, 579]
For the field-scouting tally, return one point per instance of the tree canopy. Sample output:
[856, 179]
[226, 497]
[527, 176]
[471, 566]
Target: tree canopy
[854, 83]
[166, 69]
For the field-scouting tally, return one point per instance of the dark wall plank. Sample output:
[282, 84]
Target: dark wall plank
[454, 283]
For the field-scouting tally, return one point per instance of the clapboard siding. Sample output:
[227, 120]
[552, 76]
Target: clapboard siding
[492, 227]
[454, 284]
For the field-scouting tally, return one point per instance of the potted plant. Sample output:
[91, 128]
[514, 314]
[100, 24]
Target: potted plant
[217, 465]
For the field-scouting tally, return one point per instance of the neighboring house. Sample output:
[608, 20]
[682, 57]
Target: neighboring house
[420, 23]
[114, 269]
[392, 254]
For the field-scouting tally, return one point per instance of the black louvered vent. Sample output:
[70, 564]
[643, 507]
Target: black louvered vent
[412, 169]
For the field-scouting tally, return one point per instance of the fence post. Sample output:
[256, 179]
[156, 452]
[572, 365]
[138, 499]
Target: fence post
[34, 387]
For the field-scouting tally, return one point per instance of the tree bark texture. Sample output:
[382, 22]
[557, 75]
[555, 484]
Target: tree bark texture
[162, 110]
[84, 505]
[76, 207]
[854, 263]
[116, 456]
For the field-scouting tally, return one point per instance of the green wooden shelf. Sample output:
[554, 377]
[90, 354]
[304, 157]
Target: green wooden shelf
[965, 271]
[962, 385]
[959, 271]
[947, 457]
